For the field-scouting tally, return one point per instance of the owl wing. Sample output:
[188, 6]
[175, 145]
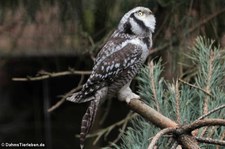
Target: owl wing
[110, 63]
[114, 44]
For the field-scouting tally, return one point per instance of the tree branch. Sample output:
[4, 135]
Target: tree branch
[210, 141]
[182, 134]
[63, 99]
[158, 135]
[162, 122]
[202, 123]
[212, 111]
[47, 75]
[200, 23]
[105, 131]
[197, 87]
[151, 115]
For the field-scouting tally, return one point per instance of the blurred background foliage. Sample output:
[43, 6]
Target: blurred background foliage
[53, 35]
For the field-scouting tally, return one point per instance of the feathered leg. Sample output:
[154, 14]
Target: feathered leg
[126, 94]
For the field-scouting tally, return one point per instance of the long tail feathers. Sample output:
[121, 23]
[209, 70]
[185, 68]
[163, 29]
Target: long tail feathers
[73, 98]
[89, 116]
[88, 120]
[79, 98]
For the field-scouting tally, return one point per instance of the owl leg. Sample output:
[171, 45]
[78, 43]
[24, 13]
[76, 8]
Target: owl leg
[126, 94]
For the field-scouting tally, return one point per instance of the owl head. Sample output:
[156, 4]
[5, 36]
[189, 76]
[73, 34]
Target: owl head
[138, 21]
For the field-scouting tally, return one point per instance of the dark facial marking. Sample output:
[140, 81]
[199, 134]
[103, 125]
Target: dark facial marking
[140, 23]
[127, 28]
[146, 41]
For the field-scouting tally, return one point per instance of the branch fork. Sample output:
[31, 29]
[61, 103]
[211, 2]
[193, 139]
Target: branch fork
[181, 133]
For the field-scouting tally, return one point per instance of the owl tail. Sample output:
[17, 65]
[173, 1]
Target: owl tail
[88, 120]
[79, 97]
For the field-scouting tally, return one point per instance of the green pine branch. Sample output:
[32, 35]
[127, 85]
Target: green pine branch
[197, 109]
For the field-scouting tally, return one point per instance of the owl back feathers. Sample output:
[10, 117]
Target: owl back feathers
[117, 63]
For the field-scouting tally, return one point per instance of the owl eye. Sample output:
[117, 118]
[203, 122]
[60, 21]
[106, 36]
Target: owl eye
[140, 13]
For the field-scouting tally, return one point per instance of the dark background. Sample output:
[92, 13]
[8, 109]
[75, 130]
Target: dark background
[55, 35]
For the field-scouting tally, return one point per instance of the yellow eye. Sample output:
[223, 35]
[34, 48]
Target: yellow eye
[140, 13]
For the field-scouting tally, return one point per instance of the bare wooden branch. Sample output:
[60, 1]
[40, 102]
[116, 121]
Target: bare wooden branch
[60, 102]
[205, 20]
[211, 112]
[188, 141]
[47, 75]
[162, 122]
[63, 99]
[221, 138]
[197, 87]
[200, 23]
[203, 123]
[181, 133]
[210, 141]
[104, 132]
[122, 130]
[151, 115]
[158, 135]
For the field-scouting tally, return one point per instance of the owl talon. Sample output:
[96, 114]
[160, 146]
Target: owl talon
[132, 96]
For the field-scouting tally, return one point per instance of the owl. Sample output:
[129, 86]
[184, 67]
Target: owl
[117, 63]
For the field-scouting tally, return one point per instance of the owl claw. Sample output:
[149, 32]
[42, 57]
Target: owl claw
[132, 96]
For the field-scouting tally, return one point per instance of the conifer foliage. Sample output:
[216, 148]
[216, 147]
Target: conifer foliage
[200, 99]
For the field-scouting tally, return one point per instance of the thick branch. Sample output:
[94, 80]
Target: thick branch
[151, 115]
[202, 123]
[158, 135]
[210, 141]
[182, 134]
[187, 141]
